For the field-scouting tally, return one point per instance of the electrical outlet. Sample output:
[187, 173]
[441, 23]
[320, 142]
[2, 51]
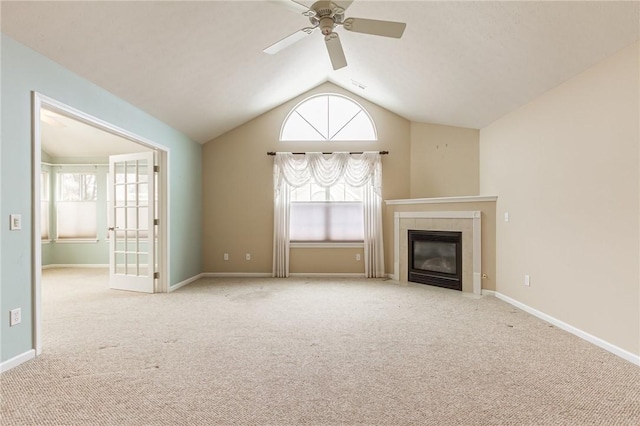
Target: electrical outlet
[506, 216]
[247, 256]
[358, 256]
[527, 280]
[15, 317]
[226, 256]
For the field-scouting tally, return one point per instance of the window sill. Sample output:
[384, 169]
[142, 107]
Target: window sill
[330, 244]
[76, 241]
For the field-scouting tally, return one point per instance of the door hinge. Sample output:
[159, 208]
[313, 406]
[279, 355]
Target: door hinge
[155, 221]
[156, 275]
[156, 169]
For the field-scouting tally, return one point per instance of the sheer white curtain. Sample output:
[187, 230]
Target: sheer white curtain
[293, 171]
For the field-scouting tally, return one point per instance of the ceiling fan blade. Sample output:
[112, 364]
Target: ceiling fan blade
[343, 4]
[375, 27]
[295, 6]
[336, 54]
[289, 40]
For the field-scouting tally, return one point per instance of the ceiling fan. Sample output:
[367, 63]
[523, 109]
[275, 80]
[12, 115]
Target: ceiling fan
[327, 15]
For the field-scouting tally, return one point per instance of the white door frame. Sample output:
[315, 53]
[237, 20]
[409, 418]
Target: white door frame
[40, 101]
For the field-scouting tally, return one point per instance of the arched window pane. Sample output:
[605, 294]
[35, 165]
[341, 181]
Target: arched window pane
[328, 117]
[316, 112]
[299, 130]
[358, 129]
[341, 112]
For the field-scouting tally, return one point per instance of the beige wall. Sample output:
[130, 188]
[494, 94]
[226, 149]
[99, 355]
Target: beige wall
[566, 168]
[238, 187]
[487, 227]
[326, 261]
[444, 161]
[237, 184]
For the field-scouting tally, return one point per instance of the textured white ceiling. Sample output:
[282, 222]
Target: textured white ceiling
[199, 66]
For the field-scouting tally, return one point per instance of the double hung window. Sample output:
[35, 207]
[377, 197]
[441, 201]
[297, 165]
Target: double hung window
[76, 210]
[331, 214]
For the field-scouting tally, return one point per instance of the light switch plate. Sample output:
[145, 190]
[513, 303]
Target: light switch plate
[15, 317]
[15, 222]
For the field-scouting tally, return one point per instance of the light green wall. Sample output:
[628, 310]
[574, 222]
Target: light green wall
[24, 71]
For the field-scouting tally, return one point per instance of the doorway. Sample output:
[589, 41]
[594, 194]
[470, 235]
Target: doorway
[50, 114]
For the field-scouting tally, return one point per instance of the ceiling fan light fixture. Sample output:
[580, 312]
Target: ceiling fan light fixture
[326, 15]
[326, 25]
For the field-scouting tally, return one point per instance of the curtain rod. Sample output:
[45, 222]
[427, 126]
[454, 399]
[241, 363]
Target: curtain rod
[303, 153]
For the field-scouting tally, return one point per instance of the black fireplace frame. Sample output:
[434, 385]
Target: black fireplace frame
[436, 278]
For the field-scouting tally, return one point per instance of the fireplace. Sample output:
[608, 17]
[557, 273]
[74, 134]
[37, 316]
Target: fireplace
[435, 258]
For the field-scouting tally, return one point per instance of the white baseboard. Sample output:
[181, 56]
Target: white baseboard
[326, 275]
[631, 357]
[237, 275]
[488, 292]
[17, 360]
[78, 265]
[185, 282]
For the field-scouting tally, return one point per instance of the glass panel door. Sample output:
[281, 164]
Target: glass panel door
[132, 248]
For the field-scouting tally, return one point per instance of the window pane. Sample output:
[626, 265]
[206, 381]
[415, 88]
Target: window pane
[143, 194]
[328, 117]
[359, 129]
[131, 194]
[44, 220]
[132, 171]
[120, 195]
[90, 188]
[70, 186]
[296, 129]
[308, 222]
[77, 187]
[316, 112]
[337, 192]
[119, 173]
[353, 194]
[44, 186]
[326, 221]
[346, 222]
[302, 193]
[341, 111]
[143, 175]
[318, 193]
[77, 219]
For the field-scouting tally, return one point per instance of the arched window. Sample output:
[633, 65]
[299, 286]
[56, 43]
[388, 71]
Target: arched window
[328, 117]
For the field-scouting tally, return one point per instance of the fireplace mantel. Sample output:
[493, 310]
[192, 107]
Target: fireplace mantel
[444, 200]
[474, 216]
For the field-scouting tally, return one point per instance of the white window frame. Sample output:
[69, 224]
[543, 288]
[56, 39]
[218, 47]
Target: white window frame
[325, 134]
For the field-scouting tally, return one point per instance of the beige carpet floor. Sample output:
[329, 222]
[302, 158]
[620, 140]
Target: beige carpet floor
[306, 352]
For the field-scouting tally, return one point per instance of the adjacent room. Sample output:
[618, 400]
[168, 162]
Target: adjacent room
[330, 212]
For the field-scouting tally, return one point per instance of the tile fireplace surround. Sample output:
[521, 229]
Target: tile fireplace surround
[467, 222]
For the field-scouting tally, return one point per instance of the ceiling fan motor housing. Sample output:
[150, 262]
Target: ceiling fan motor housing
[328, 14]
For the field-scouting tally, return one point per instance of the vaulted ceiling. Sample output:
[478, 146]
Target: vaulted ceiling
[199, 66]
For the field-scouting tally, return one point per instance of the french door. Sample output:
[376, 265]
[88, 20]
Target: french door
[132, 205]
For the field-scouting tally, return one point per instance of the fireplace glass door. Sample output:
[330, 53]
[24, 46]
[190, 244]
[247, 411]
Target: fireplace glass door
[435, 258]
